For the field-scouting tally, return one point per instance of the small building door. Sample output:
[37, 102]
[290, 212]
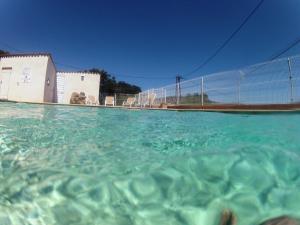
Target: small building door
[60, 88]
[4, 84]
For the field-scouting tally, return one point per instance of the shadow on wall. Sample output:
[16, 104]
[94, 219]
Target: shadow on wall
[78, 98]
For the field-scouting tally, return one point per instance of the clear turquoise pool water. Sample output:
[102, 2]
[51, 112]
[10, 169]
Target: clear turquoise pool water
[72, 165]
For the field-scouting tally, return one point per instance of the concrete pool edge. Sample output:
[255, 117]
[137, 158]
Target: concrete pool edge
[279, 108]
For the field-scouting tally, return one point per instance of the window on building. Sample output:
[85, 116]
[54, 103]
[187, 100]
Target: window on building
[7, 68]
[82, 78]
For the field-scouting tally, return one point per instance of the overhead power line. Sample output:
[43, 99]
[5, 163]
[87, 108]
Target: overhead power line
[118, 74]
[277, 55]
[211, 57]
[68, 66]
[143, 77]
[289, 47]
[17, 50]
[10, 47]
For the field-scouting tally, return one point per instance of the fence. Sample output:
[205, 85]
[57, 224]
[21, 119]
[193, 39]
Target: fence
[120, 99]
[274, 82]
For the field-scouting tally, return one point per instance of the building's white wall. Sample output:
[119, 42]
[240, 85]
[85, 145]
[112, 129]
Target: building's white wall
[5, 74]
[29, 75]
[30, 89]
[50, 90]
[71, 82]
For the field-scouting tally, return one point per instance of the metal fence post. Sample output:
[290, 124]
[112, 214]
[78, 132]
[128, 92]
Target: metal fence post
[177, 93]
[239, 87]
[202, 91]
[291, 81]
[148, 98]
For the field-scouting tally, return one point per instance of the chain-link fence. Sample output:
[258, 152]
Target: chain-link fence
[274, 82]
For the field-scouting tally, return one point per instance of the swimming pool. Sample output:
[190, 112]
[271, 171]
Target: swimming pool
[74, 165]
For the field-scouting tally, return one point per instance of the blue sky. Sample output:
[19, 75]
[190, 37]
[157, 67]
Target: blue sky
[154, 40]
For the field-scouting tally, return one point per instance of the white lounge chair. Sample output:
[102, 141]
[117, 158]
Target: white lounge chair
[152, 98]
[91, 100]
[109, 101]
[149, 101]
[129, 101]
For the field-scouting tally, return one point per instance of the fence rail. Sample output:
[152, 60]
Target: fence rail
[120, 99]
[274, 82]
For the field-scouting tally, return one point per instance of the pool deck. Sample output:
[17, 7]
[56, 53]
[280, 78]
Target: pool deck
[240, 108]
[226, 108]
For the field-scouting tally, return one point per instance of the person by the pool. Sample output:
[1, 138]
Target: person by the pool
[228, 218]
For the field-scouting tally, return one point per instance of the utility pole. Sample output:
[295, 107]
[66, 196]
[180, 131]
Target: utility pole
[178, 89]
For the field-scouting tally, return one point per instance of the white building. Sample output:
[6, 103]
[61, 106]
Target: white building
[70, 82]
[28, 78]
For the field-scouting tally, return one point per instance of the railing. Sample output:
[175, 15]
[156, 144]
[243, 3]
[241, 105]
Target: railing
[120, 99]
[274, 82]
